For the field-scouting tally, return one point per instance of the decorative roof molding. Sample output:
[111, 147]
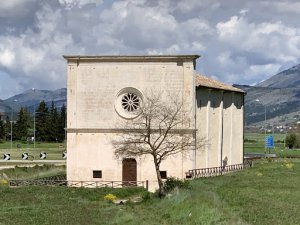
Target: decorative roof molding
[131, 58]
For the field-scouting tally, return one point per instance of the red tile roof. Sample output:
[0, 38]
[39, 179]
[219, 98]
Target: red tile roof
[204, 81]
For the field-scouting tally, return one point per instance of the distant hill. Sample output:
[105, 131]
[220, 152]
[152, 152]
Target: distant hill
[4, 107]
[286, 79]
[31, 99]
[280, 94]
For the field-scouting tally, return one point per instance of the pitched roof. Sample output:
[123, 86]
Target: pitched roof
[204, 81]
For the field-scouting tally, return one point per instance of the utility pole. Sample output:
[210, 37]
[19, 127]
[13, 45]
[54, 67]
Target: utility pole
[11, 124]
[33, 89]
[265, 126]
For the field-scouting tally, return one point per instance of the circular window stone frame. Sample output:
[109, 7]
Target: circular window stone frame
[121, 111]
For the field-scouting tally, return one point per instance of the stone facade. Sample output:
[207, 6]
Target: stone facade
[96, 87]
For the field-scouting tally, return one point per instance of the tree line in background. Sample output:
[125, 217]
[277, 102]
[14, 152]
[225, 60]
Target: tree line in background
[49, 124]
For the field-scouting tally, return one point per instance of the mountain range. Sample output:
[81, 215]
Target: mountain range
[32, 98]
[277, 98]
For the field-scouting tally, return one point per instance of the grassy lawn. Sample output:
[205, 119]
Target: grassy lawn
[54, 150]
[34, 172]
[6, 145]
[266, 194]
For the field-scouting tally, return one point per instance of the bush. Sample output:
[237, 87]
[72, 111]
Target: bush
[291, 140]
[288, 164]
[110, 197]
[250, 140]
[146, 196]
[173, 182]
[24, 140]
[3, 182]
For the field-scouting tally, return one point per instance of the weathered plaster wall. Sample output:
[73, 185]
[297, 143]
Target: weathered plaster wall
[219, 118]
[93, 88]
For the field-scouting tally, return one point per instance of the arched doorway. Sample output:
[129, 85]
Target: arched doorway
[129, 171]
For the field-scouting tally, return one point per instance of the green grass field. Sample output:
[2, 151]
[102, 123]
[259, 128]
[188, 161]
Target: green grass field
[254, 143]
[266, 194]
[32, 172]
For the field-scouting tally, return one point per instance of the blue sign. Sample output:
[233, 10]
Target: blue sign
[269, 141]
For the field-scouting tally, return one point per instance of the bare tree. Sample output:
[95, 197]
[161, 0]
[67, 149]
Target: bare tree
[160, 130]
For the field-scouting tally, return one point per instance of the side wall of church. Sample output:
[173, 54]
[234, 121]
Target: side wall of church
[219, 122]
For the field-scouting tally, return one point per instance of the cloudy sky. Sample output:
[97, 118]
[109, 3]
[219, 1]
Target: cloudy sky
[240, 41]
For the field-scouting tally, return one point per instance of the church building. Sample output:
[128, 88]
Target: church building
[101, 92]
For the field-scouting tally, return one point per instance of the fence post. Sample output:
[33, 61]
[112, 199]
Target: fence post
[147, 185]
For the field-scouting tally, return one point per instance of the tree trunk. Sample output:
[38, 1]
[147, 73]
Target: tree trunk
[161, 191]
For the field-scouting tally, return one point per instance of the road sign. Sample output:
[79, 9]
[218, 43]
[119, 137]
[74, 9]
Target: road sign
[64, 155]
[43, 155]
[6, 157]
[24, 155]
[269, 141]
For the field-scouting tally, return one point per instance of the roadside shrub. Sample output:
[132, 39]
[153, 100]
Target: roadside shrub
[1, 141]
[173, 182]
[250, 140]
[24, 140]
[291, 140]
[298, 139]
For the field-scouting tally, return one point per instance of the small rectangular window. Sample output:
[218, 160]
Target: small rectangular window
[163, 174]
[97, 173]
[180, 63]
[188, 175]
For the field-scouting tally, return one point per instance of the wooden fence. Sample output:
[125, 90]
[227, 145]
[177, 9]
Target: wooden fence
[215, 171]
[93, 184]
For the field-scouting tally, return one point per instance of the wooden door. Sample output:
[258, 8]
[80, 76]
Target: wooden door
[129, 172]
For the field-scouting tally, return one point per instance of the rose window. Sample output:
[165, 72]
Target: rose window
[130, 102]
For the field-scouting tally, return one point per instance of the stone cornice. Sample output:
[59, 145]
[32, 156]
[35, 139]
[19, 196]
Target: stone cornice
[118, 130]
[131, 58]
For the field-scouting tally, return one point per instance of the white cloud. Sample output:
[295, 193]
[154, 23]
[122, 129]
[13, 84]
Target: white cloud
[15, 8]
[285, 7]
[11, 4]
[239, 41]
[244, 11]
[7, 58]
[73, 3]
[270, 39]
